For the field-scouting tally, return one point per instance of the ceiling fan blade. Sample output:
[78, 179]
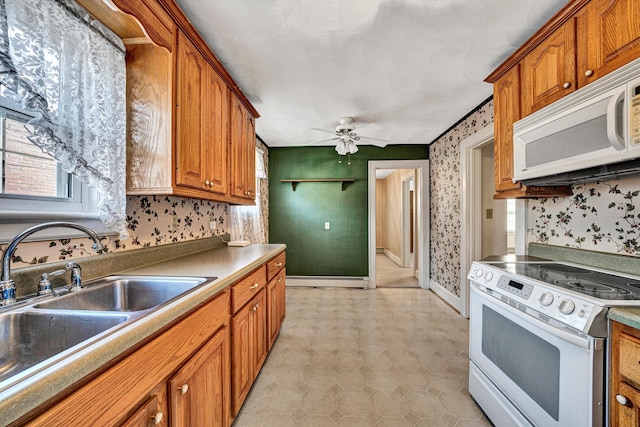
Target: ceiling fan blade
[375, 141]
[324, 130]
[320, 142]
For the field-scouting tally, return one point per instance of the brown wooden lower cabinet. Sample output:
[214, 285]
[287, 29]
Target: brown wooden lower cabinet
[276, 305]
[249, 347]
[194, 349]
[625, 376]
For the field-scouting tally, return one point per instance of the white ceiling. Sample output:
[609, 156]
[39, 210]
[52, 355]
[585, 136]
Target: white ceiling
[409, 68]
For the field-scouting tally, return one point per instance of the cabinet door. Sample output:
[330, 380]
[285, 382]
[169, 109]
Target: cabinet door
[153, 413]
[506, 112]
[199, 390]
[549, 70]
[613, 35]
[259, 326]
[216, 137]
[250, 156]
[275, 306]
[191, 153]
[626, 412]
[241, 356]
[243, 140]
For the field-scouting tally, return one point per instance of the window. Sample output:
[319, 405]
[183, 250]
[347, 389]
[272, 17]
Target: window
[34, 186]
[26, 170]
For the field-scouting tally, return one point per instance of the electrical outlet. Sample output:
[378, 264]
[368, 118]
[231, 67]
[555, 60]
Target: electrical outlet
[327, 225]
[174, 221]
[213, 224]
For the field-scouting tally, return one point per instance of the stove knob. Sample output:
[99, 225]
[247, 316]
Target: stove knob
[566, 306]
[546, 299]
[488, 276]
[479, 272]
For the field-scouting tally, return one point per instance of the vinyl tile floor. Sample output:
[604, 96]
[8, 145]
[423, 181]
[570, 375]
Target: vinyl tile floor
[391, 275]
[352, 357]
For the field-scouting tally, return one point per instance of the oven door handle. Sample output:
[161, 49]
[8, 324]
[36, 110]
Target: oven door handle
[526, 317]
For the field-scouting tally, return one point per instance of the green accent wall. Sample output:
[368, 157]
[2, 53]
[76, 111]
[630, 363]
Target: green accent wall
[297, 218]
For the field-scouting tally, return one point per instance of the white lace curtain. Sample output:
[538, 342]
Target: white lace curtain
[68, 70]
[249, 222]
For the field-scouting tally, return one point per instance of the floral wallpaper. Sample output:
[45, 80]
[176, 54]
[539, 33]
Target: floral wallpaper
[444, 155]
[600, 216]
[152, 221]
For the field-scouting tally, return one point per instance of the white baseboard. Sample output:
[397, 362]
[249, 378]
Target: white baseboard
[328, 281]
[393, 257]
[448, 297]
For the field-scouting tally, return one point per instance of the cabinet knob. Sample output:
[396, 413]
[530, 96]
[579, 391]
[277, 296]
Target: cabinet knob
[279, 264]
[566, 85]
[280, 280]
[254, 308]
[254, 286]
[588, 73]
[207, 183]
[184, 388]
[157, 418]
[622, 400]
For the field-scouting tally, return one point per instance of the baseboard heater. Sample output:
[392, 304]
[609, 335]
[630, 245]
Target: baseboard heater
[328, 281]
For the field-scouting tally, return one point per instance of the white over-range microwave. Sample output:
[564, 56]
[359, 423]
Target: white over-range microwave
[593, 133]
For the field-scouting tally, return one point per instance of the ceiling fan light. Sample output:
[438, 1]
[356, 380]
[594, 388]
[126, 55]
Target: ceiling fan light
[353, 148]
[341, 148]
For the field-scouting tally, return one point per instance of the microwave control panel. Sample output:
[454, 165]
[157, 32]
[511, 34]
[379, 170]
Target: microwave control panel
[634, 116]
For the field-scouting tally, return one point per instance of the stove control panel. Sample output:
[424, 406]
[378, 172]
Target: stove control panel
[549, 301]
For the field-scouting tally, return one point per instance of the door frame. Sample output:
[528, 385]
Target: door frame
[408, 257]
[421, 213]
[471, 207]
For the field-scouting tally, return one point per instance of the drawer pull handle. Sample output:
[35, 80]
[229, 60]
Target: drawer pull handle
[588, 73]
[279, 264]
[254, 308]
[280, 280]
[184, 388]
[157, 418]
[566, 85]
[254, 286]
[622, 400]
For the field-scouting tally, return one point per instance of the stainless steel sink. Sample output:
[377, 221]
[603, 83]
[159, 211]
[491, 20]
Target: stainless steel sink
[28, 337]
[39, 332]
[124, 293]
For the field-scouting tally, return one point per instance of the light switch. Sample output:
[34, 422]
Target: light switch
[327, 225]
[489, 213]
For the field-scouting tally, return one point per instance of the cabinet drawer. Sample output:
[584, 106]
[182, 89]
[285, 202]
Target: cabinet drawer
[275, 265]
[630, 358]
[247, 288]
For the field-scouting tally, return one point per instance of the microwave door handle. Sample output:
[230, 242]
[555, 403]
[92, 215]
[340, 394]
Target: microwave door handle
[613, 119]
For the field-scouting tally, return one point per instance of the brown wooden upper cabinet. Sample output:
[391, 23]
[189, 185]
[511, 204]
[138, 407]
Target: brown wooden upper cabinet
[243, 177]
[585, 40]
[183, 134]
[201, 122]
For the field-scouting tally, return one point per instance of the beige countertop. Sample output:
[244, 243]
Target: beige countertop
[228, 264]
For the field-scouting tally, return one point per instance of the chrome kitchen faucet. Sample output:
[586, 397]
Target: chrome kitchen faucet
[8, 286]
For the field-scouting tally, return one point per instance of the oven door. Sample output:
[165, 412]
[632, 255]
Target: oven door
[550, 376]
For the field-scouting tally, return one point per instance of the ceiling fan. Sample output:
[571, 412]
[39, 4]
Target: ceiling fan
[346, 137]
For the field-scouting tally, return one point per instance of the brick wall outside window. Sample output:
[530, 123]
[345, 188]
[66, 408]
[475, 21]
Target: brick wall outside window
[28, 171]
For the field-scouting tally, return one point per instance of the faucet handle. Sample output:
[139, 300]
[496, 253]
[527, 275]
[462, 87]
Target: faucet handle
[44, 287]
[7, 292]
[76, 276]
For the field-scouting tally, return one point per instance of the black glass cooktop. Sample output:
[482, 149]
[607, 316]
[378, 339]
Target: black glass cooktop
[596, 284]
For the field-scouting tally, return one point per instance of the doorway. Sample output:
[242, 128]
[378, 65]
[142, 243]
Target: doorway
[404, 227]
[473, 212]
[395, 228]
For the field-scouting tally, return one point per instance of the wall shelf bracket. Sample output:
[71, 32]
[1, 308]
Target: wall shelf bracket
[295, 182]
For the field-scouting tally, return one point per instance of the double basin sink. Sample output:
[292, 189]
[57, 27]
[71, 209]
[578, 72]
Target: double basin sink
[41, 331]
